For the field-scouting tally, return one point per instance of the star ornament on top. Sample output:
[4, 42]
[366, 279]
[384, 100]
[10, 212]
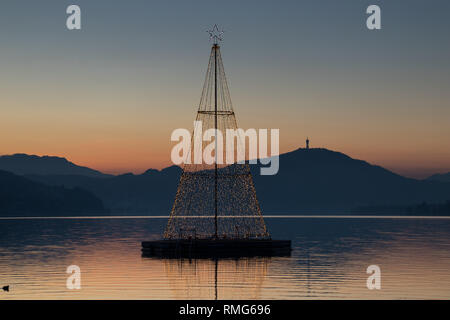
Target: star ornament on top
[215, 35]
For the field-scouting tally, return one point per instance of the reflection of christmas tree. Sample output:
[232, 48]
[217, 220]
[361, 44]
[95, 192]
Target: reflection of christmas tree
[217, 278]
[216, 200]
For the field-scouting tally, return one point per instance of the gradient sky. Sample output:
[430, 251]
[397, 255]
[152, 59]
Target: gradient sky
[108, 96]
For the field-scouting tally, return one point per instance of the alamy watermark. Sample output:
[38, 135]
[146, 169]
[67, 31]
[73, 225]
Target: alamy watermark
[215, 147]
[73, 21]
[74, 280]
[374, 280]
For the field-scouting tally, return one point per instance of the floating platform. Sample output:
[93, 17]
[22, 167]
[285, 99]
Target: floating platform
[215, 248]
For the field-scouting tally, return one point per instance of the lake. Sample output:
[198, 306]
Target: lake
[329, 260]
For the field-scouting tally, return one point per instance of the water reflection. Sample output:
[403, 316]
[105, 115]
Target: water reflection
[328, 261]
[216, 278]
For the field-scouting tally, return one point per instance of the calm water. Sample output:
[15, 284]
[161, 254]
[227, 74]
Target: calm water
[329, 261]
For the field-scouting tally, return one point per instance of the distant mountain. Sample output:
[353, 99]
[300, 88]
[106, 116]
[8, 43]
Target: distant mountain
[323, 180]
[21, 196]
[444, 177]
[23, 164]
[422, 209]
[151, 193]
[309, 181]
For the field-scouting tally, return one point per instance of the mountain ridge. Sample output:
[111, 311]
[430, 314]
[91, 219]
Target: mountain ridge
[320, 179]
[25, 197]
[309, 180]
[443, 177]
[22, 164]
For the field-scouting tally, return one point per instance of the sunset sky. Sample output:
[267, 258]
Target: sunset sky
[109, 96]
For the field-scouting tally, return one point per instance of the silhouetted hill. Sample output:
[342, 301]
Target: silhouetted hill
[320, 179]
[444, 177]
[30, 164]
[151, 193]
[21, 196]
[313, 180]
[422, 209]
